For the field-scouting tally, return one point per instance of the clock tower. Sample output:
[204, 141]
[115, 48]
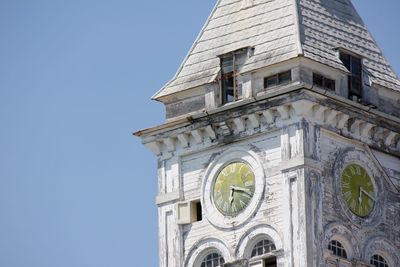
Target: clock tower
[281, 145]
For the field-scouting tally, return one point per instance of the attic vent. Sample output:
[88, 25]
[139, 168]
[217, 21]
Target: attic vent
[247, 4]
[323, 82]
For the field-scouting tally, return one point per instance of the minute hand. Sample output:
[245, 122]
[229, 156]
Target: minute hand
[367, 194]
[238, 188]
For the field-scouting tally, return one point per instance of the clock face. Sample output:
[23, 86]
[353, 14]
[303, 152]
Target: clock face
[233, 188]
[358, 190]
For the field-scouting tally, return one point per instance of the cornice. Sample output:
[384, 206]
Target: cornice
[268, 115]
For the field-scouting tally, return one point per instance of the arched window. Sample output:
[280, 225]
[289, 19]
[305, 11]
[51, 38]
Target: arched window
[262, 247]
[379, 261]
[337, 248]
[212, 260]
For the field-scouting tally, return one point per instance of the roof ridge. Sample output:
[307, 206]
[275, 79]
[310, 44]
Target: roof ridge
[298, 30]
[314, 29]
[154, 97]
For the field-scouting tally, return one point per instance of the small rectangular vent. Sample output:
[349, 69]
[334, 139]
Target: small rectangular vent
[278, 79]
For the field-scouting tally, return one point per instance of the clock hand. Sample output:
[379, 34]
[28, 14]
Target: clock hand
[238, 188]
[231, 196]
[359, 196]
[367, 194]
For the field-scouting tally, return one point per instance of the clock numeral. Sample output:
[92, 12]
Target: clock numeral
[358, 170]
[219, 201]
[246, 195]
[232, 168]
[226, 207]
[242, 204]
[346, 185]
[249, 183]
[353, 204]
[364, 174]
[234, 209]
[347, 196]
[370, 203]
[218, 197]
[352, 170]
[346, 178]
[360, 209]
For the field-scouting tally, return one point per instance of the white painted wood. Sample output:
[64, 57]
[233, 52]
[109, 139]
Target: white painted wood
[240, 124]
[299, 142]
[269, 116]
[289, 28]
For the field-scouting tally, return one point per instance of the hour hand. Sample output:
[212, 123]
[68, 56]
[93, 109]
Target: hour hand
[231, 196]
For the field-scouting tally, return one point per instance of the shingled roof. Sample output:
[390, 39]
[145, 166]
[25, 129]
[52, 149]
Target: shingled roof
[280, 30]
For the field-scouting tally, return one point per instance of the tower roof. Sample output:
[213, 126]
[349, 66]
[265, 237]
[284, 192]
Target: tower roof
[279, 30]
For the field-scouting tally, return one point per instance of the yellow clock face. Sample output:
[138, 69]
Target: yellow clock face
[233, 188]
[358, 190]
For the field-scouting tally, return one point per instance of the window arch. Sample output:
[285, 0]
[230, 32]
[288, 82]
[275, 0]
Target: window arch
[212, 260]
[262, 247]
[379, 261]
[337, 249]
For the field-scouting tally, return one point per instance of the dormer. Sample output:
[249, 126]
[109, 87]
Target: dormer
[248, 48]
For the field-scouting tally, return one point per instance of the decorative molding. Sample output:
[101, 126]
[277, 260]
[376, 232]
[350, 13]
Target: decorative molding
[284, 112]
[197, 135]
[331, 117]
[365, 129]
[355, 128]
[390, 137]
[319, 112]
[170, 143]
[184, 140]
[211, 133]
[240, 124]
[342, 120]
[269, 116]
[254, 120]
[155, 147]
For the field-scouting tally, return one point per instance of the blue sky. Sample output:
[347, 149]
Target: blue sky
[76, 77]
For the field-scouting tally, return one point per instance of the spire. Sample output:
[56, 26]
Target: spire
[279, 30]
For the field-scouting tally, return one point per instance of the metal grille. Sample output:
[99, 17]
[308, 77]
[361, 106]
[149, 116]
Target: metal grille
[337, 249]
[262, 247]
[212, 260]
[379, 261]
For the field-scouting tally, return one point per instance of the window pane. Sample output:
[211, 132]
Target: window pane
[355, 66]
[271, 81]
[212, 260]
[228, 94]
[379, 261]
[337, 249]
[285, 77]
[330, 84]
[227, 64]
[345, 58]
[263, 247]
[318, 80]
[355, 86]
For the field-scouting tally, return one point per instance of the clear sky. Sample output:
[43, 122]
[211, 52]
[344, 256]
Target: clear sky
[76, 77]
